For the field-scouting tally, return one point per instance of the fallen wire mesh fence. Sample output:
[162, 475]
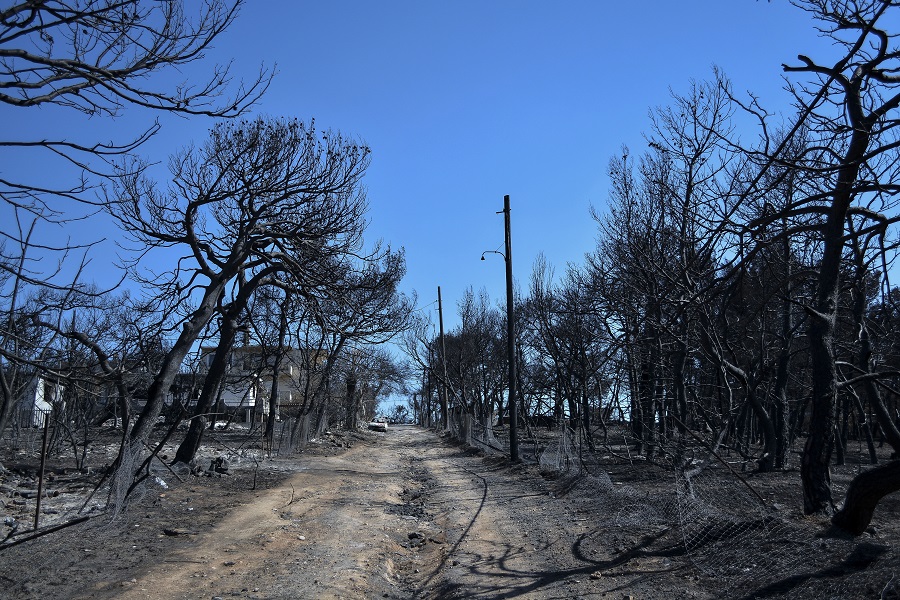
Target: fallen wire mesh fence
[743, 533]
[759, 547]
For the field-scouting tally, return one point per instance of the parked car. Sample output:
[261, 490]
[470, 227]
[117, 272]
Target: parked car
[377, 425]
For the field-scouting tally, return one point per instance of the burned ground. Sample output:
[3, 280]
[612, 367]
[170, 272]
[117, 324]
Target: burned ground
[411, 514]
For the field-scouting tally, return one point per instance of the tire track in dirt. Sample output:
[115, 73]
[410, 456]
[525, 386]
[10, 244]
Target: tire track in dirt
[511, 533]
[504, 540]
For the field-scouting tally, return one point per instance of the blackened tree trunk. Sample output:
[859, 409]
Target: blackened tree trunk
[865, 492]
[866, 426]
[764, 419]
[219, 366]
[862, 101]
[783, 363]
[678, 381]
[213, 382]
[586, 417]
[156, 395]
[276, 369]
[814, 465]
[350, 402]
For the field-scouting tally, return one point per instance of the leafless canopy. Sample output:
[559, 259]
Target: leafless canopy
[95, 55]
[99, 57]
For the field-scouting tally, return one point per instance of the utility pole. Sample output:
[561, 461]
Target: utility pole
[510, 333]
[511, 339]
[444, 412]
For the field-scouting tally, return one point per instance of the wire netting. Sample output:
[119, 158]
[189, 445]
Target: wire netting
[744, 534]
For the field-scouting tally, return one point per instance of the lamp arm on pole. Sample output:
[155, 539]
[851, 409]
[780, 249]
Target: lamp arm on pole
[493, 252]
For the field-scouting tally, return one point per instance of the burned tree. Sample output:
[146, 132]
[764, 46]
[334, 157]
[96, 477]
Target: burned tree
[93, 59]
[850, 109]
[261, 201]
[97, 59]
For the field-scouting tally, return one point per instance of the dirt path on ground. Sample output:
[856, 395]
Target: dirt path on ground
[406, 516]
[410, 514]
[399, 515]
[328, 531]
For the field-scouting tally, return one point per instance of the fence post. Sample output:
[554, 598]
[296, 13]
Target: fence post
[40, 490]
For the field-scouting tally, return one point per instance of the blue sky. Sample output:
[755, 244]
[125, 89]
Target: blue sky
[463, 102]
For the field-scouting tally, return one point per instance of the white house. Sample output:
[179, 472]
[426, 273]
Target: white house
[249, 379]
[41, 395]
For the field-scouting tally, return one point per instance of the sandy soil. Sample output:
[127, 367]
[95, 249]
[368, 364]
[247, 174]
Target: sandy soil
[404, 514]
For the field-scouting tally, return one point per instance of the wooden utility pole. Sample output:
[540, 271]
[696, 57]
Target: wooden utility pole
[511, 339]
[445, 416]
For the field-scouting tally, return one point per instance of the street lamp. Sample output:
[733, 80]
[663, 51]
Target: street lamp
[510, 334]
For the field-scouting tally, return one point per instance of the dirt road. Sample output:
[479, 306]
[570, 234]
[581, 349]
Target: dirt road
[399, 515]
[407, 516]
